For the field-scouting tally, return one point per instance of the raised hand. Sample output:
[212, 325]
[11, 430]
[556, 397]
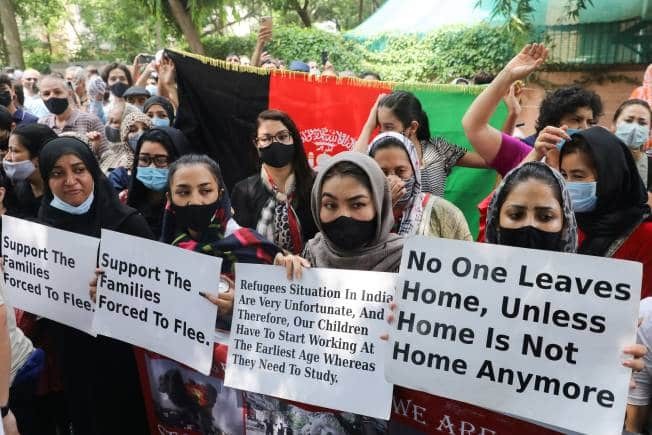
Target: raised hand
[526, 62]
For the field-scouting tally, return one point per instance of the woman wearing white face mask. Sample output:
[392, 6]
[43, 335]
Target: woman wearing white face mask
[631, 124]
[21, 166]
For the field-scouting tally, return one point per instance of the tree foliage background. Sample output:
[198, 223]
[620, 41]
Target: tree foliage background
[108, 30]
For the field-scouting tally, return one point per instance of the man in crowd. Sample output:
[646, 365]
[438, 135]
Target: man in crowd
[76, 76]
[64, 117]
[33, 103]
[7, 124]
[8, 100]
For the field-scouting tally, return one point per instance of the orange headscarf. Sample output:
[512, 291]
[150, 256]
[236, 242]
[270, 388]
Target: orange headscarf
[644, 92]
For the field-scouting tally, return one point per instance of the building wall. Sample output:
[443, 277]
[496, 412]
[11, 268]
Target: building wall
[613, 93]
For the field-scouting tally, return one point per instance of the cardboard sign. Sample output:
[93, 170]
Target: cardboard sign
[315, 341]
[534, 334]
[149, 296]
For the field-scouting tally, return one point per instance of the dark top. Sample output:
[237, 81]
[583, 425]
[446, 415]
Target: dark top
[25, 204]
[249, 197]
[22, 117]
[119, 178]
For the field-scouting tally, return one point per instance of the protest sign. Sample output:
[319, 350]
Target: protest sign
[534, 334]
[47, 271]
[315, 341]
[149, 296]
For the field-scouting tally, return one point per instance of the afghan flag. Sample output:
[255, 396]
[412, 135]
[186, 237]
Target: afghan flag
[219, 103]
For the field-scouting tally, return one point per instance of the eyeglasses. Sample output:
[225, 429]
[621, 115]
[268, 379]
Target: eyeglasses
[282, 136]
[159, 160]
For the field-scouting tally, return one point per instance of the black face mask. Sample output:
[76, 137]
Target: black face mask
[118, 89]
[195, 217]
[5, 98]
[277, 154]
[56, 106]
[530, 237]
[348, 233]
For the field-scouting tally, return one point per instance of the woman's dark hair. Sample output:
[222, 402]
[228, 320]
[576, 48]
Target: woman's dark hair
[633, 102]
[407, 108]
[564, 101]
[303, 173]
[33, 137]
[578, 145]
[197, 160]
[525, 173]
[156, 135]
[115, 65]
[387, 143]
[348, 169]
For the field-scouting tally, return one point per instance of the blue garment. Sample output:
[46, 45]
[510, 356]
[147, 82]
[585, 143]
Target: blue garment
[119, 178]
[530, 140]
[21, 117]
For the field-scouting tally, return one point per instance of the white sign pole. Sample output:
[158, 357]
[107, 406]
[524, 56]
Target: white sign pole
[315, 341]
[149, 296]
[47, 271]
[534, 334]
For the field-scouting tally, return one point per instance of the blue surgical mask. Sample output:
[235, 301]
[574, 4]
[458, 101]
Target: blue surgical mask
[583, 195]
[569, 132]
[153, 89]
[155, 179]
[160, 122]
[634, 135]
[80, 209]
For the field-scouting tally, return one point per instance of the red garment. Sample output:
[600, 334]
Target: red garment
[483, 207]
[637, 247]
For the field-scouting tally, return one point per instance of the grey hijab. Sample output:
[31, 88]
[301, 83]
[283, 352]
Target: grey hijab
[569, 230]
[383, 253]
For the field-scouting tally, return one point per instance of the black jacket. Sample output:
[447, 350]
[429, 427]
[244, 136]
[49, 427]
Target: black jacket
[249, 198]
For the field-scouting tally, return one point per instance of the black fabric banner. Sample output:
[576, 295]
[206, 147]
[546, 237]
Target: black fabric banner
[217, 112]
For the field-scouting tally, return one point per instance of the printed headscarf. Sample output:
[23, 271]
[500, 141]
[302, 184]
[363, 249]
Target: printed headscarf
[569, 229]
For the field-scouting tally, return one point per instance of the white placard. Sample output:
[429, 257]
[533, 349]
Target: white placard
[47, 271]
[461, 331]
[316, 340]
[149, 296]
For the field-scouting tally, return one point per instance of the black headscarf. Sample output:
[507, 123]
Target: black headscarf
[106, 210]
[176, 144]
[622, 199]
[163, 102]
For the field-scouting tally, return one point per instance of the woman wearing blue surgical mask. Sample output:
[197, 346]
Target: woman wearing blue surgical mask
[78, 198]
[609, 199]
[160, 111]
[156, 150]
[117, 161]
[21, 167]
[632, 126]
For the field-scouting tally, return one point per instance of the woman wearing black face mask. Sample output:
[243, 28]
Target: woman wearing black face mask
[198, 217]
[353, 210]
[532, 209]
[276, 202]
[118, 79]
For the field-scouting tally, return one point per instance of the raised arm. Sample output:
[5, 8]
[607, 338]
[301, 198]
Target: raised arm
[484, 138]
[365, 134]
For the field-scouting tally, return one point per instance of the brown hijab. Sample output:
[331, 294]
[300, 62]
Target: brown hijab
[383, 253]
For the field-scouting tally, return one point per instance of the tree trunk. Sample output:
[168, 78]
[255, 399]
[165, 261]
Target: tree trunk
[302, 12]
[360, 9]
[3, 47]
[186, 25]
[11, 35]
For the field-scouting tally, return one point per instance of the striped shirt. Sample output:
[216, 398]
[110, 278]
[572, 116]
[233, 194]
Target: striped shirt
[439, 157]
[80, 123]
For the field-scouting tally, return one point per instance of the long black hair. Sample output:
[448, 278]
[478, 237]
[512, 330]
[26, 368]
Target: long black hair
[407, 108]
[303, 173]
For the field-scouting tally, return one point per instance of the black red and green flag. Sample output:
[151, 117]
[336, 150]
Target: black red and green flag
[219, 103]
